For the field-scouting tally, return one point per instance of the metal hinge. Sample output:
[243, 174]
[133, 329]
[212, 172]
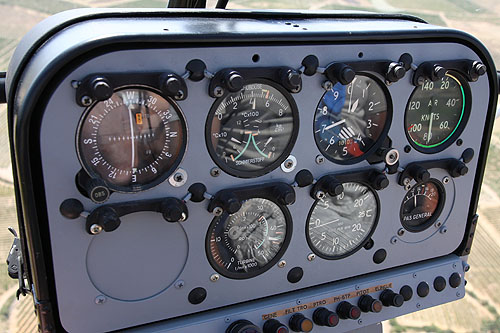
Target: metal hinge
[15, 264]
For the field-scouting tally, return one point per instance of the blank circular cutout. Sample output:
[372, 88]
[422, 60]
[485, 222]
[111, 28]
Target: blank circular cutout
[140, 259]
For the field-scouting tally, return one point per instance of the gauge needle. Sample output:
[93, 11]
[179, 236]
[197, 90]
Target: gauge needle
[354, 105]
[415, 200]
[268, 140]
[335, 124]
[131, 134]
[430, 128]
[235, 140]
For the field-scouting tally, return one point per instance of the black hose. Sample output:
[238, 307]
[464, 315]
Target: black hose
[221, 4]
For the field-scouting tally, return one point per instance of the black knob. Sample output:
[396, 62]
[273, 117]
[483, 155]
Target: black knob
[332, 186]
[439, 283]
[340, 73]
[243, 326]
[311, 64]
[379, 181]
[299, 323]
[406, 292]
[234, 81]
[230, 203]
[274, 326]
[197, 191]
[439, 72]
[369, 304]
[101, 89]
[324, 317]
[93, 188]
[458, 168]
[390, 298]
[304, 178]
[196, 69]
[346, 310]
[172, 210]
[346, 75]
[395, 72]
[284, 194]
[71, 208]
[455, 280]
[291, 79]
[477, 69]
[104, 216]
[419, 173]
[468, 155]
[171, 85]
[423, 289]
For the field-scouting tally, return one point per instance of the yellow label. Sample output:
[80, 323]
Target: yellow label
[138, 118]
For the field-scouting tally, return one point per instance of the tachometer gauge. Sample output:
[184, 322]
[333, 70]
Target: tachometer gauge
[339, 226]
[133, 140]
[249, 242]
[350, 121]
[437, 112]
[422, 205]
[251, 132]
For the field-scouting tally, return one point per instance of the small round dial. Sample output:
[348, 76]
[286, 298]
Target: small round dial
[437, 112]
[249, 242]
[422, 205]
[339, 226]
[252, 131]
[351, 120]
[133, 140]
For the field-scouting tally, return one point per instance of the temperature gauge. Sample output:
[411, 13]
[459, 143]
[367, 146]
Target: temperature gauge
[422, 205]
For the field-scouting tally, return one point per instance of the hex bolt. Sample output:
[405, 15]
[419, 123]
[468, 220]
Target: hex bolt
[95, 229]
[86, 100]
[215, 172]
[311, 257]
[179, 284]
[214, 277]
[446, 180]
[394, 240]
[320, 195]
[327, 85]
[218, 91]
[218, 211]
[401, 232]
[282, 264]
[320, 159]
[101, 299]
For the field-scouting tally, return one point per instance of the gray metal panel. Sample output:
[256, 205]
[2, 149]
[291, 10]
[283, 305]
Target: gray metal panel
[70, 242]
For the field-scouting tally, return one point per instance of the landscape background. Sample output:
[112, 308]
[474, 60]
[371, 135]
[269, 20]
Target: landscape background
[479, 311]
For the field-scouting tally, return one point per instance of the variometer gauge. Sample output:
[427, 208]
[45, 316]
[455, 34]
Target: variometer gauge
[340, 225]
[132, 141]
[437, 113]
[422, 205]
[352, 120]
[249, 242]
[251, 132]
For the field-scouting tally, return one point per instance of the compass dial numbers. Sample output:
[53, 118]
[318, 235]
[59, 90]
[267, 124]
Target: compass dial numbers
[338, 226]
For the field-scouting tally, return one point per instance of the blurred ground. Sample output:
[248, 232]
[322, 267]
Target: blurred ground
[477, 312]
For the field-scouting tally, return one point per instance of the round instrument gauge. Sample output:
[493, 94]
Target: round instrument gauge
[251, 132]
[249, 242]
[351, 121]
[422, 205]
[437, 112]
[339, 226]
[133, 140]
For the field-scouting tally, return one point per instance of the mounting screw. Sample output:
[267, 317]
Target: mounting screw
[407, 187]
[101, 299]
[443, 230]
[401, 232]
[95, 229]
[419, 306]
[214, 277]
[446, 180]
[327, 85]
[438, 224]
[455, 265]
[414, 275]
[357, 287]
[406, 181]
[217, 211]
[282, 264]
[320, 159]
[298, 302]
[392, 157]
[218, 91]
[459, 294]
[86, 100]
[320, 195]
[360, 321]
[394, 240]
[179, 178]
[289, 164]
[215, 172]
[227, 320]
[311, 256]
[75, 84]
[179, 284]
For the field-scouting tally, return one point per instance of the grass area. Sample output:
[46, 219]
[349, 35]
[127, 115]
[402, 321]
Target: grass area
[43, 6]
